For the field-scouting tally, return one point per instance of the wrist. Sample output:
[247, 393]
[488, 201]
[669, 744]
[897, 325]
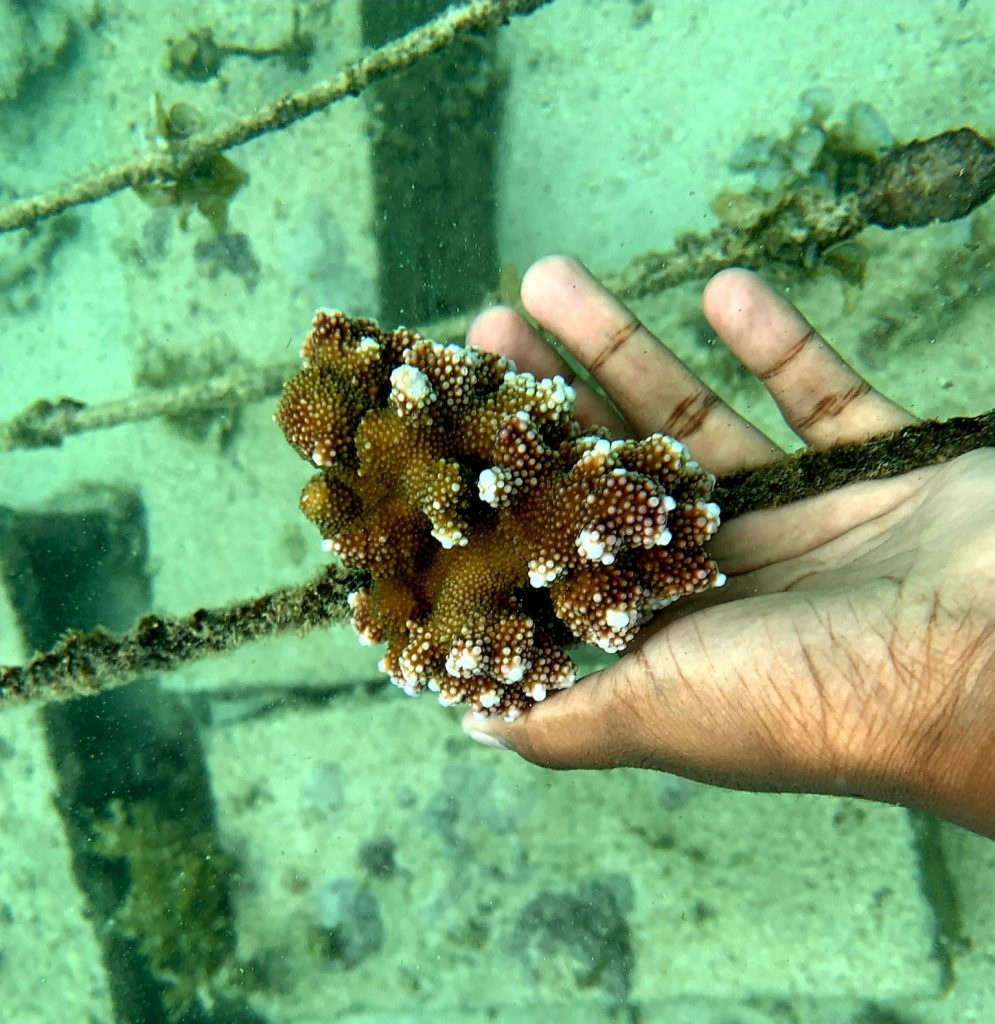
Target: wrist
[950, 753]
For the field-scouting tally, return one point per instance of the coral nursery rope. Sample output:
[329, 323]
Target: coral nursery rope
[87, 663]
[429, 38]
[45, 423]
[808, 472]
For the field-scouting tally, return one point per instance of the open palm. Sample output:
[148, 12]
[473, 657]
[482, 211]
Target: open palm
[852, 649]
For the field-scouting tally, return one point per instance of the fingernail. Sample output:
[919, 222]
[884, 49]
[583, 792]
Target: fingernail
[485, 739]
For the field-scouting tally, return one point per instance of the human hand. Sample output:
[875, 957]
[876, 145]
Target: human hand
[852, 649]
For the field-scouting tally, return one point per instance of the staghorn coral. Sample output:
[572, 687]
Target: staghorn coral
[496, 530]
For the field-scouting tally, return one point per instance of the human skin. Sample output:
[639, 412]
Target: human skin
[852, 650]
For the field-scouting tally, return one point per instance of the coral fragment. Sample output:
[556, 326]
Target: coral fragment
[495, 529]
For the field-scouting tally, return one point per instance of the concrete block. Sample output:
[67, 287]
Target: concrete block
[491, 884]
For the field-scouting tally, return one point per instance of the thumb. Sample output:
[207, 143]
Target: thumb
[700, 697]
[592, 725]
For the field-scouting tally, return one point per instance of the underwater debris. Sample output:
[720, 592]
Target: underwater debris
[937, 179]
[817, 191]
[430, 37]
[910, 184]
[198, 56]
[177, 908]
[350, 923]
[589, 926]
[815, 152]
[207, 183]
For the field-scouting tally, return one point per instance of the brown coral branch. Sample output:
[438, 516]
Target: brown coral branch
[172, 165]
[497, 530]
[86, 663]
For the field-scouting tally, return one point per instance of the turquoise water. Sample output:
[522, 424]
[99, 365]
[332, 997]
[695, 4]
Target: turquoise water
[277, 834]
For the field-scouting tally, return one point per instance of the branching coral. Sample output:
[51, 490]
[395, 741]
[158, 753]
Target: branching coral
[496, 530]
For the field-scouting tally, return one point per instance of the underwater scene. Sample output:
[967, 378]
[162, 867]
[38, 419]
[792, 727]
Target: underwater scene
[263, 569]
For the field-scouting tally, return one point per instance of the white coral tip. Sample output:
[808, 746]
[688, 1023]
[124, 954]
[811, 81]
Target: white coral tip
[618, 618]
[411, 388]
[462, 662]
[543, 572]
[590, 545]
[515, 672]
[450, 538]
[487, 486]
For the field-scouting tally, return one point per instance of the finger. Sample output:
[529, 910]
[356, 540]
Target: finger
[808, 543]
[566, 730]
[774, 536]
[652, 388]
[733, 712]
[503, 331]
[500, 329]
[824, 400]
